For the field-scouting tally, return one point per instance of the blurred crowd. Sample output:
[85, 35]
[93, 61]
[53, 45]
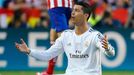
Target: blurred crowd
[23, 14]
[34, 14]
[113, 14]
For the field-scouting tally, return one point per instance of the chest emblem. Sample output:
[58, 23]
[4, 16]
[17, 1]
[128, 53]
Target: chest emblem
[86, 44]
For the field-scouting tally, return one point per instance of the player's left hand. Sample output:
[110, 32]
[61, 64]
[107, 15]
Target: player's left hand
[105, 42]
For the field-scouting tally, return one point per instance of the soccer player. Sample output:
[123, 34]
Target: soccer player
[83, 45]
[59, 12]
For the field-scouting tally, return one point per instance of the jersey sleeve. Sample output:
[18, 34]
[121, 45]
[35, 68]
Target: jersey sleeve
[53, 51]
[98, 42]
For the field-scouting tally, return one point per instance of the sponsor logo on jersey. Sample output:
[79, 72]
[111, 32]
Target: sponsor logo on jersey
[78, 55]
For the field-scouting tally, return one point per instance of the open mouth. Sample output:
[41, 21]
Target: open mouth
[72, 17]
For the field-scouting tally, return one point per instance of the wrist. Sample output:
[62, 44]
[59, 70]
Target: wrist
[106, 49]
[28, 51]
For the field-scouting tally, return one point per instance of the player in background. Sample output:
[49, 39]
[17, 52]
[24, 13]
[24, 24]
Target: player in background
[59, 12]
[83, 45]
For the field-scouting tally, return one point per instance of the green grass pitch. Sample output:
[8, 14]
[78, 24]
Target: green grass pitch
[59, 72]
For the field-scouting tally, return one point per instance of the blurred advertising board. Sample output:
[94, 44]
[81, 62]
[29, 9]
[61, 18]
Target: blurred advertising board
[12, 59]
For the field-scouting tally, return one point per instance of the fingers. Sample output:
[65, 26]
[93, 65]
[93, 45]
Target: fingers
[105, 38]
[22, 41]
[105, 46]
[16, 45]
[105, 42]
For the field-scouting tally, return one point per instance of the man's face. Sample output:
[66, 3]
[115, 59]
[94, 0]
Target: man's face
[77, 15]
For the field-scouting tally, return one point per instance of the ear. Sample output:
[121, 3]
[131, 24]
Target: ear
[86, 15]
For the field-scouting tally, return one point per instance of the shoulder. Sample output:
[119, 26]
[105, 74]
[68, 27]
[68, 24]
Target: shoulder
[93, 31]
[67, 32]
[96, 33]
[66, 35]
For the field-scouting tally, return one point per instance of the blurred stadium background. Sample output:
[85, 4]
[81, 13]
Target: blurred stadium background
[28, 19]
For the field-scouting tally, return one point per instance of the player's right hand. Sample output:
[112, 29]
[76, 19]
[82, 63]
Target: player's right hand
[22, 47]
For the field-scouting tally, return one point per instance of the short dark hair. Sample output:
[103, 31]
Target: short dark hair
[86, 7]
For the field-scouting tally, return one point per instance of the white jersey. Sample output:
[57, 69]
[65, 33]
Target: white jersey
[83, 52]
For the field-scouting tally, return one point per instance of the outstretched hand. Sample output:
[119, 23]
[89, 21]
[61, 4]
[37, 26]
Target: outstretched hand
[22, 47]
[105, 42]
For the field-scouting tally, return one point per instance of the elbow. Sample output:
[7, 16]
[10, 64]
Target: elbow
[40, 55]
[46, 58]
[42, 59]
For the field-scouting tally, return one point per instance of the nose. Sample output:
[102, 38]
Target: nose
[72, 14]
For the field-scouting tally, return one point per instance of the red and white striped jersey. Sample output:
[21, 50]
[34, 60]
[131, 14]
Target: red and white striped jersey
[59, 3]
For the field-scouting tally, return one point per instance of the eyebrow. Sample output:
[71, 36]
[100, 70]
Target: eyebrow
[75, 9]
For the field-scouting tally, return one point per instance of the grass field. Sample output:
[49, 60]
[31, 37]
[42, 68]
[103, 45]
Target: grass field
[33, 72]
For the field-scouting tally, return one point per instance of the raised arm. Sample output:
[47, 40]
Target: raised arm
[43, 55]
[103, 45]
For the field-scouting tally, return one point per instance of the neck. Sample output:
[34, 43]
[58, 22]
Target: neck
[80, 29]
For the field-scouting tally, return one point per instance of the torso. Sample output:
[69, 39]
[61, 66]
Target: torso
[81, 52]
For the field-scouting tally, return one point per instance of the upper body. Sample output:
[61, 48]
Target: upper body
[83, 51]
[83, 45]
